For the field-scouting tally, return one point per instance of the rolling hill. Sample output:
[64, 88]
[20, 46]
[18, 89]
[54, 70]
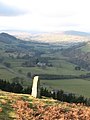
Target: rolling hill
[7, 38]
[79, 33]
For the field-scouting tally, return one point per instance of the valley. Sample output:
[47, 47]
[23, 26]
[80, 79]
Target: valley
[60, 66]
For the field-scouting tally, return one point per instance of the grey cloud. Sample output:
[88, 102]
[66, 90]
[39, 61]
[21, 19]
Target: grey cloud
[6, 10]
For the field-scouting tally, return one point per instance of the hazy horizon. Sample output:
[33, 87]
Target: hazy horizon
[45, 16]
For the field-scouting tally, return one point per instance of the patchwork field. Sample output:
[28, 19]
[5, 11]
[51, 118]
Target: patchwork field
[19, 62]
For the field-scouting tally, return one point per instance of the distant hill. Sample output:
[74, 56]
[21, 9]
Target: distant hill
[79, 33]
[7, 38]
[54, 37]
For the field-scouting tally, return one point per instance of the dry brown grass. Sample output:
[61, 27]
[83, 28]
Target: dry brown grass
[40, 110]
[25, 107]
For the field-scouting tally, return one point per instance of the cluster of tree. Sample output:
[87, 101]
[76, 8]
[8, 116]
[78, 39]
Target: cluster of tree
[36, 61]
[7, 64]
[30, 61]
[10, 50]
[81, 63]
[65, 97]
[77, 68]
[14, 87]
[53, 77]
[28, 64]
[10, 87]
[59, 94]
[1, 59]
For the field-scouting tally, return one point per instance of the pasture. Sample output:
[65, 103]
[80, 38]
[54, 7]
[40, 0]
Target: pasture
[77, 86]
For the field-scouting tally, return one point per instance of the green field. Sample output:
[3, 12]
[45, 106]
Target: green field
[86, 48]
[60, 67]
[77, 86]
[50, 70]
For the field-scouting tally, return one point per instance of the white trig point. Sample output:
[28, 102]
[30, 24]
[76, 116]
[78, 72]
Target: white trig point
[36, 87]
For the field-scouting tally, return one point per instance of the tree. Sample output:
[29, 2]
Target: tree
[16, 87]
[7, 64]
[77, 68]
[27, 90]
[60, 95]
[1, 59]
[20, 71]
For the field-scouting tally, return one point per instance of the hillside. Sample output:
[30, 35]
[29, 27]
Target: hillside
[79, 33]
[79, 55]
[20, 60]
[6, 38]
[22, 106]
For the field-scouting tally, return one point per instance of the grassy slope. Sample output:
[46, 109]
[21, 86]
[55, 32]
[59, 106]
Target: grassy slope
[20, 106]
[60, 67]
[86, 48]
[78, 86]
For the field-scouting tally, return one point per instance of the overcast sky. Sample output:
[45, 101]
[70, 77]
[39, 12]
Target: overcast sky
[45, 15]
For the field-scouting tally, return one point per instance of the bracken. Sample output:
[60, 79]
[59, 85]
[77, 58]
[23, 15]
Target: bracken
[55, 112]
